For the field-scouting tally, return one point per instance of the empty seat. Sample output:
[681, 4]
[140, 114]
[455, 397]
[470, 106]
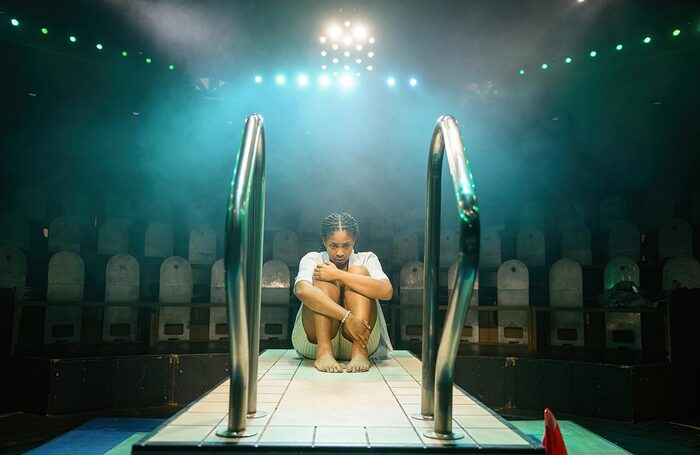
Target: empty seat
[513, 290]
[122, 282]
[622, 330]
[570, 214]
[274, 319]
[285, 247]
[682, 272]
[175, 287]
[218, 324]
[13, 270]
[411, 300]
[624, 240]
[202, 246]
[566, 290]
[576, 244]
[66, 282]
[158, 242]
[613, 210]
[470, 332]
[490, 254]
[113, 238]
[675, 239]
[530, 247]
[14, 230]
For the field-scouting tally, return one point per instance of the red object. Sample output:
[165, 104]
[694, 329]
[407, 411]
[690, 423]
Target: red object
[553, 441]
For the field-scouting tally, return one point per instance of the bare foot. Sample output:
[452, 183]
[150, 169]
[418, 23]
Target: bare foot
[358, 364]
[326, 362]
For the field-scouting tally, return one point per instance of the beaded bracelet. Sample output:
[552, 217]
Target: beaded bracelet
[346, 316]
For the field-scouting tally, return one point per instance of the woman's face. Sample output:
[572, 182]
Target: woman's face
[339, 246]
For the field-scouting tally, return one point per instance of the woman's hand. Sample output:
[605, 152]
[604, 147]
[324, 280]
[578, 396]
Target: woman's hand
[326, 272]
[358, 329]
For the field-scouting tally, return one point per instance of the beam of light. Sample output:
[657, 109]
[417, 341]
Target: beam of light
[14, 22]
[647, 40]
[618, 47]
[324, 53]
[347, 81]
[593, 53]
[44, 31]
[258, 79]
[324, 81]
[567, 60]
[334, 32]
[280, 79]
[322, 39]
[676, 32]
[413, 82]
[149, 60]
[98, 46]
[303, 80]
[72, 39]
[545, 66]
[391, 82]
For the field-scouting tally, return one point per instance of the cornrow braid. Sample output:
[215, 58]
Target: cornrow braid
[339, 222]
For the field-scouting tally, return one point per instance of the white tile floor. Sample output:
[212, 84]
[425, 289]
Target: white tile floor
[306, 408]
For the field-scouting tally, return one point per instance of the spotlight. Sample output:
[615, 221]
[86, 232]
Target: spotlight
[44, 31]
[346, 53]
[521, 72]
[335, 60]
[14, 22]
[149, 60]
[647, 40]
[358, 60]
[358, 47]
[371, 40]
[98, 46]
[125, 53]
[545, 66]
[324, 53]
[676, 32]
[370, 67]
[618, 47]
[303, 80]
[347, 24]
[413, 82]
[346, 67]
[567, 60]
[324, 67]
[335, 47]
[258, 79]
[593, 53]
[280, 79]
[391, 82]
[346, 81]
[370, 54]
[171, 67]
[72, 39]
[324, 80]
[322, 39]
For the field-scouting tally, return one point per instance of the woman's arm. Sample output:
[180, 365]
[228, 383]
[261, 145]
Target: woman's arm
[371, 288]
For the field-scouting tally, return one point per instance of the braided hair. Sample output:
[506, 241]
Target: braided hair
[339, 222]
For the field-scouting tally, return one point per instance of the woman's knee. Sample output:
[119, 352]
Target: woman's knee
[331, 289]
[358, 270]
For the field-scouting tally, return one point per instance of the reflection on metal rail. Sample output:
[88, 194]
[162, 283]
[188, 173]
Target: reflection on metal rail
[438, 370]
[243, 266]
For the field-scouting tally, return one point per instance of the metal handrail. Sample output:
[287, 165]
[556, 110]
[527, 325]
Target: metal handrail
[243, 270]
[438, 371]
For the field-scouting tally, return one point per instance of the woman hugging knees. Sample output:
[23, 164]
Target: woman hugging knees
[340, 317]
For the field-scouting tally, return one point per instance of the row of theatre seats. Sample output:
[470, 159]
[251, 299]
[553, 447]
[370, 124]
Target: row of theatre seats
[511, 280]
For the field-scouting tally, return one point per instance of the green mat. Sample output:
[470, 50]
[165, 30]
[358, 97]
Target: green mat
[578, 440]
[124, 448]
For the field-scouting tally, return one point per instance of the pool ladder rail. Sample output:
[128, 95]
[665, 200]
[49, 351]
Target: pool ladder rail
[243, 269]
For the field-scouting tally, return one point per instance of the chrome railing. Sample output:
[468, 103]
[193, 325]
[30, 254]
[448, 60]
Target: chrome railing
[243, 268]
[438, 371]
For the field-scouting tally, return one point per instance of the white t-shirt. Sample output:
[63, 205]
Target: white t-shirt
[369, 260]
